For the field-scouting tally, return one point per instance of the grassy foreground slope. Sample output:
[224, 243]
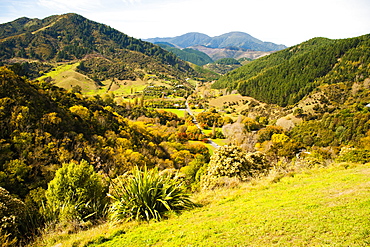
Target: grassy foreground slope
[321, 207]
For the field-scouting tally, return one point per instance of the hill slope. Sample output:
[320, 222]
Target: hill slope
[230, 52]
[327, 206]
[44, 126]
[188, 54]
[232, 39]
[64, 38]
[286, 76]
[183, 41]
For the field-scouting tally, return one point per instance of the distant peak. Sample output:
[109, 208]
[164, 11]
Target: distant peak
[232, 39]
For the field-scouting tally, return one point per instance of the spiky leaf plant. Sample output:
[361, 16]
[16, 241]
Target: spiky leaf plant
[146, 195]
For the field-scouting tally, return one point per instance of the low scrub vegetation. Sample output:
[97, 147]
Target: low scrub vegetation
[77, 193]
[233, 162]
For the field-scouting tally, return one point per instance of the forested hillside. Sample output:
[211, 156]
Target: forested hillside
[43, 126]
[187, 54]
[285, 77]
[63, 38]
[224, 65]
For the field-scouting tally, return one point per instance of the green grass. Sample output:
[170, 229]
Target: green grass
[323, 207]
[220, 142]
[197, 111]
[192, 82]
[319, 207]
[65, 76]
[209, 131]
[62, 68]
[178, 112]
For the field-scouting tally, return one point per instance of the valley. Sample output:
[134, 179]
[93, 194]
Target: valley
[107, 140]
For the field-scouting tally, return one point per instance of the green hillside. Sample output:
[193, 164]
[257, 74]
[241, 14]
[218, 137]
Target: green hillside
[44, 126]
[286, 76]
[223, 65]
[319, 207]
[187, 54]
[64, 38]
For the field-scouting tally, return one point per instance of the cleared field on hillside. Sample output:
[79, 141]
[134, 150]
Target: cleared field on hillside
[67, 77]
[178, 112]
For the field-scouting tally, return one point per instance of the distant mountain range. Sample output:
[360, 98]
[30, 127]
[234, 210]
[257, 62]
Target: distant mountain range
[232, 39]
[230, 45]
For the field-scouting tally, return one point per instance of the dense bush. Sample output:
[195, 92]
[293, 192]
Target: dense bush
[194, 171]
[354, 155]
[232, 161]
[77, 192]
[12, 215]
[210, 118]
[146, 195]
[12, 218]
[188, 54]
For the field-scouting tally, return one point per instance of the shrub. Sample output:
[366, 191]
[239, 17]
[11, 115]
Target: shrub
[12, 215]
[193, 171]
[146, 195]
[77, 192]
[232, 161]
[354, 155]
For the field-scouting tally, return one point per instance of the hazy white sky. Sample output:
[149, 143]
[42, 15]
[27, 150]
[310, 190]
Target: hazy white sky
[287, 22]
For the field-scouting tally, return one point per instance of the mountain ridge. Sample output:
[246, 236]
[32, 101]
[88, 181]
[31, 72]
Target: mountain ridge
[231, 39]
[70, 37]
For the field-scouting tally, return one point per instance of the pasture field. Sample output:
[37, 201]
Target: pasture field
[66, 76]
[179, 112]
[220, 142]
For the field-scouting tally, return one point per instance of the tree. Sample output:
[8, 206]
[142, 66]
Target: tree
[76, 89]
[210, 118]
[181, 158]
[235, 133]
[265, 134]
[250, 124]
[13, 175]
[80, 111]
[76, 193]
[193, 171]
[298, 112]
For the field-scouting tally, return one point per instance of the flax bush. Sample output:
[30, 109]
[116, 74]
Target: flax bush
[146, 195]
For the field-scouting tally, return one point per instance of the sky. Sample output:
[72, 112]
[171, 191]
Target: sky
[287, 22]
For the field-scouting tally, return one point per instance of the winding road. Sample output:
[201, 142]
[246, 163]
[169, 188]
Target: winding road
[215, 145]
